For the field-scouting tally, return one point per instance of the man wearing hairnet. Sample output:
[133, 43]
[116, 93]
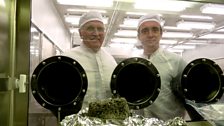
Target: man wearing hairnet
[169, 65]
[97, 63]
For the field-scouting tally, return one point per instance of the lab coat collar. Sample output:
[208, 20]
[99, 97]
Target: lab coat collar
[157, 52]
[88, 49]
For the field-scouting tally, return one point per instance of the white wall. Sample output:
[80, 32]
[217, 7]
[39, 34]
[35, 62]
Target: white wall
[213, 51]
[46, 18]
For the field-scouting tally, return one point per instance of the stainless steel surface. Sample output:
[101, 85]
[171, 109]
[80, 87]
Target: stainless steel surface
[14, 60]
[41, 47]
[22, 59]
[7, 83]
[4, 30]
[4, 83]
[5, 95]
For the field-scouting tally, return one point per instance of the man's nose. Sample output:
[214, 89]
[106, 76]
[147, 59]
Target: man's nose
[95, 31]
[150, 33]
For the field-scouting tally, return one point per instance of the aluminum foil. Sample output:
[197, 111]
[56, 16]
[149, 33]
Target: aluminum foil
[209, 111]
[81, 119]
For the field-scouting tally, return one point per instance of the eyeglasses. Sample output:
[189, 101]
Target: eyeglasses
[93, 29]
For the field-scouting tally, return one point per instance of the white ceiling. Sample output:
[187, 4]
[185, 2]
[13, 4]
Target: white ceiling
[117, 13]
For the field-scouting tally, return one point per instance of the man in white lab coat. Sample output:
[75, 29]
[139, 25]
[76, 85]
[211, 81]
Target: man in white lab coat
[169, 65]
[97, 63]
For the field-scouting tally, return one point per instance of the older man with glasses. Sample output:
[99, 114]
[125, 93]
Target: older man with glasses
[96, 61]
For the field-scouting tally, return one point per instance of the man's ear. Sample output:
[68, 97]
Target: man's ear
[162, 30]
[80, 33]
[138, 35]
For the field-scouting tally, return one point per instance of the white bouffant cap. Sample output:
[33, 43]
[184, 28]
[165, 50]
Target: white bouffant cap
[90, 16]
[149, 17]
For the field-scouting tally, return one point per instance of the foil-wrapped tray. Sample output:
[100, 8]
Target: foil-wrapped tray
[81, 119]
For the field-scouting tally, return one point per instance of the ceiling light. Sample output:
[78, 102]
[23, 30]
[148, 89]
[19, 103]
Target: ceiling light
[74, 19]
[124, 40]
[36, 37]
[74, 30]
[85, 10]
[126, 33]
[212, 36]
[96, 3]
[136, 13]
[2, 3]
[165, 5]
[184, 47]
[131, 22]
[175, 28]
[196, 42]
[196, 17]
[195, 25]
[32, 47]
[127, 26]
[166, 41]
[34, 52]
[212, 9]
[193, 43]
[220, 30]
[177, 35]
[33, 29]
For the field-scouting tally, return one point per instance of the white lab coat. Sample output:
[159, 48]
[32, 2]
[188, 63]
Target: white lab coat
[170, 67]
[99, 67]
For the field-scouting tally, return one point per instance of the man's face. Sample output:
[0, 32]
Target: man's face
[149, 34]
[93, 33]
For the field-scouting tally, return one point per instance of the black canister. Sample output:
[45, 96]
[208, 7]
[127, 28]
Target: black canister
[137, 80]
[202, 84]
[202, 81]
[59, 84]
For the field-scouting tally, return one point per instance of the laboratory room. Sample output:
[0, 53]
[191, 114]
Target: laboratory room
[111, 63]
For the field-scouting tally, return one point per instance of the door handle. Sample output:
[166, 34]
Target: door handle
[11, 83]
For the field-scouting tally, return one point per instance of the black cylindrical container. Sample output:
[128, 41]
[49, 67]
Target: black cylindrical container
[59, 84]
[202, 81]
[137, 80]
